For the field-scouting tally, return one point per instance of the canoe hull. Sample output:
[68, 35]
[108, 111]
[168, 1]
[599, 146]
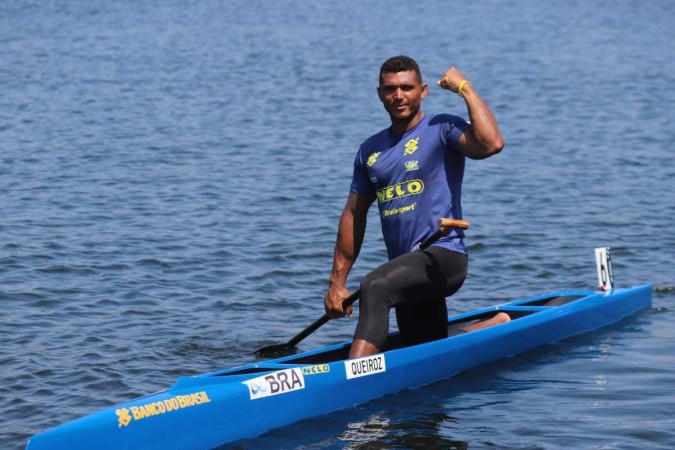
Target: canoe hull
[209, 410]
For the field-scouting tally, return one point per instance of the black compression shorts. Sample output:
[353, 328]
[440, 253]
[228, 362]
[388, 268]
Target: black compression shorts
[416, 285]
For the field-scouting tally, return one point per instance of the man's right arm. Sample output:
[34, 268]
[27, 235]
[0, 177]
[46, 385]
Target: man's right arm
[483, 139]
[351, 230]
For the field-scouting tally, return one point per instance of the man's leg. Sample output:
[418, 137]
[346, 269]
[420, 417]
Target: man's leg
[423, 317]
[421, 279]
[497, 319]
[361, 348]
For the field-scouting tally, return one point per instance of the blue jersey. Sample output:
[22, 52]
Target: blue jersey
[417, 179]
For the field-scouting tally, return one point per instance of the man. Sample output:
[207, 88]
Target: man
[414, 169]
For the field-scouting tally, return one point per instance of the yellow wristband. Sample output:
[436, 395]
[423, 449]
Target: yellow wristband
[461, 85]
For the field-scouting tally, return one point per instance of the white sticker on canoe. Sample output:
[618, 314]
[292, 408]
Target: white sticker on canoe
[276, 383]
[362, 367]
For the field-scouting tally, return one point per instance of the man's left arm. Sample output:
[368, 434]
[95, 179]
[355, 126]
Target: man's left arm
[483, 138]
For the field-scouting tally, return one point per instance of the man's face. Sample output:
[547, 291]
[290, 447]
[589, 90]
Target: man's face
[401, 93]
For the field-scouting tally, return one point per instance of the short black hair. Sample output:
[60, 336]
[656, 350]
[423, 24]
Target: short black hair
[400, 63]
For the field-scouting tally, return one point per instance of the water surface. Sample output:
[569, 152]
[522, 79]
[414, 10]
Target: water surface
[171, 176]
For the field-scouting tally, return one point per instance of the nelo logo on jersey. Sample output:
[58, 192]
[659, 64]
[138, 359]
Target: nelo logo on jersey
[404, 189]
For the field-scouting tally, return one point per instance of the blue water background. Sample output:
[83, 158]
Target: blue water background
[172, 173]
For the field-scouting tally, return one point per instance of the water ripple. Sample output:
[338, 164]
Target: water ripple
[171, 186]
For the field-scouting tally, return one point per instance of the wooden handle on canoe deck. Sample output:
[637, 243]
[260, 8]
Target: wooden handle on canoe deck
[445, 224]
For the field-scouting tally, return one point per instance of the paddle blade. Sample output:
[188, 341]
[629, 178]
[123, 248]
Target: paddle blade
[276, 351]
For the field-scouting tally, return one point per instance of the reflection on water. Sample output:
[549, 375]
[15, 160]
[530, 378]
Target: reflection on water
[362, 432]
[392, 429]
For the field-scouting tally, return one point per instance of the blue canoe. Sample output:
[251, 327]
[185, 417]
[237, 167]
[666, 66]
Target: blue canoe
[213, 409]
